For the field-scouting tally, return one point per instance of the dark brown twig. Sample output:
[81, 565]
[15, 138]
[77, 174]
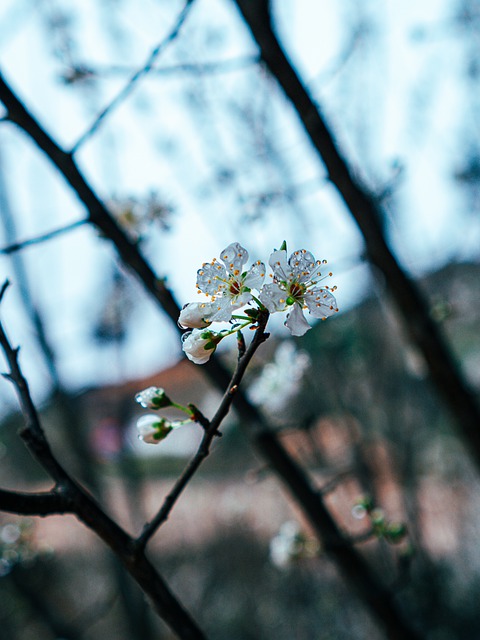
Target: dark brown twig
[211, 430]
[44, 237]
[33, 504]
[76, 500]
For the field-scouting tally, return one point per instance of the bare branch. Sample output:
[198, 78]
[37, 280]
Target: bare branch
[128, 88]
[189, 68]
[210, 432]
[369, 216]
[18, 246]
[33, 504]
[375, 595]
[76, 500]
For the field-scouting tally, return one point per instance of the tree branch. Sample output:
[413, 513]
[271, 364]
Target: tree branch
[368, 215]
[211, 430]
[76, 500]
[379, 600]
[18, 246]
[33, 504]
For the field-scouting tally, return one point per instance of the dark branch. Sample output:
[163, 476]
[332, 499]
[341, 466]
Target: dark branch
[33, 504]
[76, 500]
[18, 246]
[211, 430]
[368, 215]
[379, 600]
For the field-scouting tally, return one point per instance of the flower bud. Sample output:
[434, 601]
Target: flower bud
[200, 345]
[152, 429]
[153, 398]
[195, 315]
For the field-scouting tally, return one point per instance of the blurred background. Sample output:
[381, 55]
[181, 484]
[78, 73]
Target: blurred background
[205, 150]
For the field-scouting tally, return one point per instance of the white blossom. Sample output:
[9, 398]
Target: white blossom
[200, 344]
[228, 285]
[280, 379]
[286, 545]
[294, 287]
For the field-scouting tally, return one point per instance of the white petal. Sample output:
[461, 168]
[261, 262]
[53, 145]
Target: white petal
[320, 302]
[211, 278]
[302, 264]
[273, 297]
[255, 276]
[281, 268]
[234, 257]
[296, 322]
[222, 309]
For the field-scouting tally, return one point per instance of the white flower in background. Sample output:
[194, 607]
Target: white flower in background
[286, 545]
[153, 398]
[280, 380]
[152, 429]
[136, 215]
[196, 315]
[294, 287]
[228, 285]
[200, 344]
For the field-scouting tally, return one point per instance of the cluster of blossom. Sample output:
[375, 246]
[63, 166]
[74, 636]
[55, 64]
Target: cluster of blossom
[293, 289]
[280, 380]
[137, 215]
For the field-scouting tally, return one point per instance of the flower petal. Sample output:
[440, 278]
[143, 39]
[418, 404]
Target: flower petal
[280, 267]
[234, 257]
[211, 278]
[273, 297]
[296, 322]
[302, 264]
[320, 302]
[255, 276]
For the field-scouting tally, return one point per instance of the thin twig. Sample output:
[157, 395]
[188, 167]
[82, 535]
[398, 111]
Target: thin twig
[194, 68]
[128, 88]
[18, 246]
[76, 500]
[210, 432]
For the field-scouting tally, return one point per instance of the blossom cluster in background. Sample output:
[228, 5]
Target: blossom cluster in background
[292, 288]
